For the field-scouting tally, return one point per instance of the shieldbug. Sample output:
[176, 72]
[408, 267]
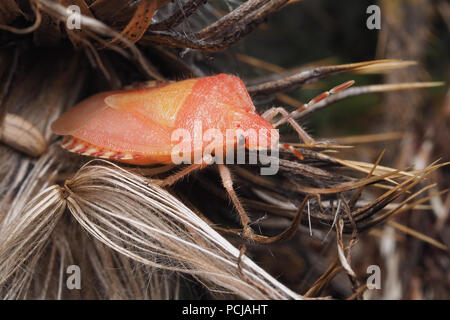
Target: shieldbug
[135, 126]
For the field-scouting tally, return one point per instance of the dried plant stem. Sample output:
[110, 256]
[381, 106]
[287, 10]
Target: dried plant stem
[356, 91]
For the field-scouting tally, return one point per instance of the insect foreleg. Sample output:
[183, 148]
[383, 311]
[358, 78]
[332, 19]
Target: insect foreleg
[273, 112]
[296, 113]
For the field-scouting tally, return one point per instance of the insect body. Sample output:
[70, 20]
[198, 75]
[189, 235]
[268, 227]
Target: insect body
[135, 126]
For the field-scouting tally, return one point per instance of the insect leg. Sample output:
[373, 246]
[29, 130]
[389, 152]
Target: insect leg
[227, 181]
[273, 112]
[313, 101]
[245, 220]
[180, 174]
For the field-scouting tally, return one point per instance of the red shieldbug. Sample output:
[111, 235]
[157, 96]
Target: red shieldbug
[136, 126]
